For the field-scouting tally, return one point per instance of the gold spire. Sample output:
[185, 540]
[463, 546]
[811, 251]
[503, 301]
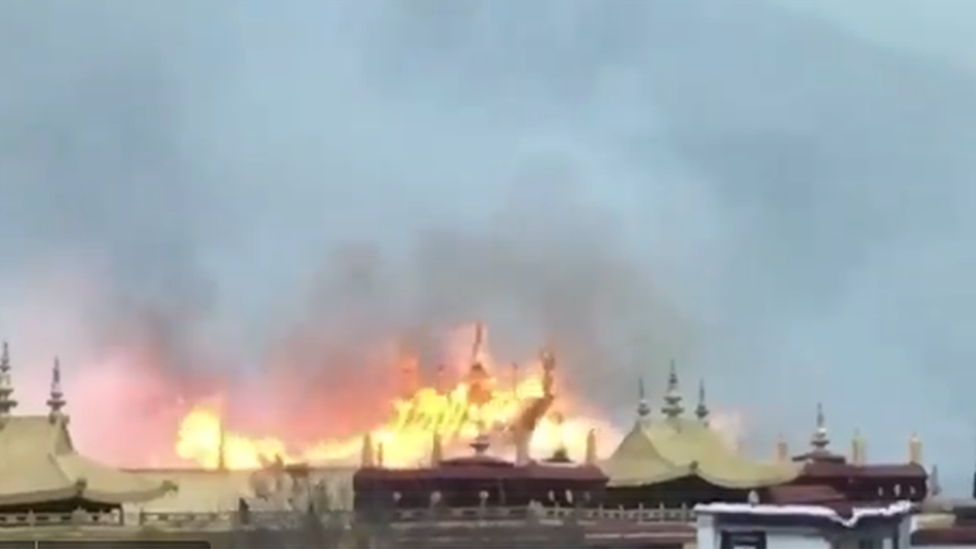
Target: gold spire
[643, 408]
[915, 449]
[701, 410]
[935, 487]
[672, 398]
[561, 448]
[478, 343]
[367, 459]
[436, 450]
[548, 361]
[482, 442]
[591, 447]
[379, 454]
[55, 401]
[782, 449]
[858, 448]
[221, 445]
[7, 402]
[820, 440]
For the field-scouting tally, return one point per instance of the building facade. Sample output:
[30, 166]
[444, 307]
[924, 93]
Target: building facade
[745, 526]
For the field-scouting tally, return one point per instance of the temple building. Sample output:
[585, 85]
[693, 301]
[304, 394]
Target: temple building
[480, 480]
[680, 461]
[42, 471]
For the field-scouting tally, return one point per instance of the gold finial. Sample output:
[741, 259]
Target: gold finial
[858, 448]
[436, 450]
[379, 454]
[672, 398]
[548, 361]
[935, 487]
[591, 447]
[915, 449]
[367, 459]
[478, 343]
[7, 402]
[782, 449]
[643, 408]
[701, 411]
[820, 440]
[55, 401]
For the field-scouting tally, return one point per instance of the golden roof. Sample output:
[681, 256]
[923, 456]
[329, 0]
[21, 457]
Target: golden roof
[40, 464]
[670, 448]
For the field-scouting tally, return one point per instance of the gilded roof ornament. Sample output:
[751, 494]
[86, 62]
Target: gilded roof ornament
[7, 402]
[672, 398]
[56, 401]
[820, 440]
[643, 408]
[701, 410]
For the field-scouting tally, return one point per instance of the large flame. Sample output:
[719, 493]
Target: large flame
[458, 413]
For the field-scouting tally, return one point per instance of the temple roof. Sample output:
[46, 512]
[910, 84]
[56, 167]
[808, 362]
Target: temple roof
[675, 446]
[672, 448]
[40, 464]
[39, 461]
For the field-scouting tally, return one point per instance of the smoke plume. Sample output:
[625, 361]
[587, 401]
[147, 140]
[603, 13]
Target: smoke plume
[215, 197]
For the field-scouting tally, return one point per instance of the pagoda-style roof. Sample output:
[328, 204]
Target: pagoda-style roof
[675, 446]
[40, 464]
[671, 448]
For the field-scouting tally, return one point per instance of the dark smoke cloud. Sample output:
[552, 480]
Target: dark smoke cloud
[216, 187]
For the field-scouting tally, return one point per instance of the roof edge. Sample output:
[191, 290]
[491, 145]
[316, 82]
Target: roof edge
[897, 509]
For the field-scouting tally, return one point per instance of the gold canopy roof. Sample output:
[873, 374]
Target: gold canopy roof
[40, 464]
[671, 447]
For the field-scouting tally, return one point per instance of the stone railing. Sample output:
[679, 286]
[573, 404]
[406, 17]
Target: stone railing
[291, 519]
[77, 518]
[598, 514]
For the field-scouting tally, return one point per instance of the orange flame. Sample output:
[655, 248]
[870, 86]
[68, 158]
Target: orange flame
[458, 414]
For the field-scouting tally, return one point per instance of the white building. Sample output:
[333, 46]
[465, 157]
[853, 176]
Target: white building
[746, 526]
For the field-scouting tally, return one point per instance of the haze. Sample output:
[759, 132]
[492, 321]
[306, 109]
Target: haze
[778, 195]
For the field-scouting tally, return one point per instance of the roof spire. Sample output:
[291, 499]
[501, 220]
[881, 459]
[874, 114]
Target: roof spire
[436, 450]
[935, 487]
[915, 449]
[221, 446]
[858, 456]
[7, 402]
[367, 459]
[548, 360]
[482, 442]
[672, 398]
[56, 400]
[782, 449]
[643, 408]
[591, 447]
[820, 440]
[701, 411]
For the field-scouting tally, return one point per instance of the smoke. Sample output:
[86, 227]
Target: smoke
[197, 198]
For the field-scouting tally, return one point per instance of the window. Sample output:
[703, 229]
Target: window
[868, 543]
[743, 540]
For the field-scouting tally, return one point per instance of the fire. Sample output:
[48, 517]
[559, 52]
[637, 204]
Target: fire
[457, 413]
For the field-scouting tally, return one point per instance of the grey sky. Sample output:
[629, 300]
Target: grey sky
[778, 197]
